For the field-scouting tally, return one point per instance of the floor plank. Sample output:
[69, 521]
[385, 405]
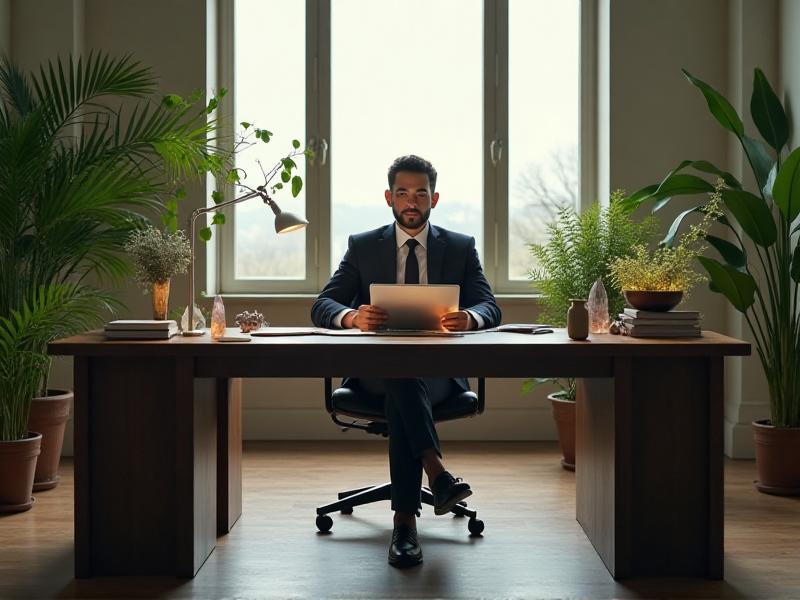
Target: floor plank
[532, 546]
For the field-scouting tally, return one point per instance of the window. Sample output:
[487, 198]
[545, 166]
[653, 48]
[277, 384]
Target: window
[487, 90]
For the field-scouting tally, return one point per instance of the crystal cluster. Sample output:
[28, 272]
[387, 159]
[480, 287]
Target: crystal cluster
[249, 321]
[218, 318]
[598, 308]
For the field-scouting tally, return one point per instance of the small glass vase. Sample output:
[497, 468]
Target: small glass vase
[160, 290]
[597, 306]
[218, 318]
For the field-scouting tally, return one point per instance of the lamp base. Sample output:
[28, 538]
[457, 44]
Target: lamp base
[193, 333]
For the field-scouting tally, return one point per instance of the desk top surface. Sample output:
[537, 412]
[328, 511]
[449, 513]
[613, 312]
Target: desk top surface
[551, 344]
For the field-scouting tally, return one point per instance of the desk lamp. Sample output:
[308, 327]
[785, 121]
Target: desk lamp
[285, 222]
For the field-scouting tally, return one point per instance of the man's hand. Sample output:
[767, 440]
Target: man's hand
[457, 321]
[365, 318]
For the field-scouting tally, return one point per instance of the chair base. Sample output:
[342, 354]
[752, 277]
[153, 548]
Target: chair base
[377, 493]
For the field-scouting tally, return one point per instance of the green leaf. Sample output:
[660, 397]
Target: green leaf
[673, 229]
[719, 106]
[180, 193]
[759, 158]
[171, 206]
[288, 164]
[768, 114]
[786, 190]
[222, 92]
[205, 234]
[297, 185]
[212, 105]
[753, 215]
[739, 288]
[682, 184]
[296, 144]
[170, 221]
[217, 197]
[795, 271]
[660, 204]
[245, 124]
[232, 176]
[308, 153]
[278, 186]
[285, 176]
[218, 219]
[172, 100]
[707, 167]
[634, 200]
[731, 253]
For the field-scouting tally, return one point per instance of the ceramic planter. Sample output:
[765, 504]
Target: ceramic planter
[49, 416]
[564, 415]
[777, 459]
[655, 301]
[17, 466]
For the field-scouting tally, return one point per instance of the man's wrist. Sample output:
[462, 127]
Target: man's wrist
[347, 320]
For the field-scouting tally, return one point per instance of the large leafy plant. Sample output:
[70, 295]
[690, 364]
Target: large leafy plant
[86, 155]
[758, 269]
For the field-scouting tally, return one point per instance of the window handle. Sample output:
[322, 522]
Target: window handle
[496, 151]
[323, 148]
[312, 145]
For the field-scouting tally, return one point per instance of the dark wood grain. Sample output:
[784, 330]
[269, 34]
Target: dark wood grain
[229, 453]
[82, 454]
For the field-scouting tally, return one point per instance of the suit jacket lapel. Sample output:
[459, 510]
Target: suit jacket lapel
[387, 256]
[436, 247]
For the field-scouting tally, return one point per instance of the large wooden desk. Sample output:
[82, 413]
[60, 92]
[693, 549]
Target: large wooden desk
[158, 437]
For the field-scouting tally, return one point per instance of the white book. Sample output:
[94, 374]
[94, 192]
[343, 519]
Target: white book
[671, 315]
[629, 320]
[139, 325]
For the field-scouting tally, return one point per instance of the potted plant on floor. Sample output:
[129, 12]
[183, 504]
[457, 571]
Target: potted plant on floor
[759, 270]
[79, 174]
[579, 251]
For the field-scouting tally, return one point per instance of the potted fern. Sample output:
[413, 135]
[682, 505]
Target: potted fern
[758, 269]
[69, 203]
[578, 252]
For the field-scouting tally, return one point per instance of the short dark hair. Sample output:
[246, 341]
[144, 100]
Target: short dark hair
[414, 164]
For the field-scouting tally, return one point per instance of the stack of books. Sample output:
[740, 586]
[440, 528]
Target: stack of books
[140, 330]
[669, 324]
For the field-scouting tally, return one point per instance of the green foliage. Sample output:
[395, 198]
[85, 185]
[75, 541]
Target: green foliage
[762, 284]
[158, 255]
[87, 155]
[580, 249]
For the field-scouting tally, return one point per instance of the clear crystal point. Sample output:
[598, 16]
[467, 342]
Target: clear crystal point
[218, 318]
[598, 308]
[198, 323]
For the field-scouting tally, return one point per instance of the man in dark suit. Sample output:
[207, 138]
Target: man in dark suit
[410, 250]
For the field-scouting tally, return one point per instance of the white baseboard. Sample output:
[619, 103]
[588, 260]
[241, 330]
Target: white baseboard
[739, 440]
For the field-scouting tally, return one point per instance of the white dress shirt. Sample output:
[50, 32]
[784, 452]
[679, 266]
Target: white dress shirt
[421, 250]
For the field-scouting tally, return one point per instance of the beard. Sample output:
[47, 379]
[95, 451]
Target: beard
[412, 220]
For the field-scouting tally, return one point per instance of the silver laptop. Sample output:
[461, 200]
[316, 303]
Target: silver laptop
[414, 309]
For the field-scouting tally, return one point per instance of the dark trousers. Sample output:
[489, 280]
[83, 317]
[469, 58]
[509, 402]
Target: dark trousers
[409, 406]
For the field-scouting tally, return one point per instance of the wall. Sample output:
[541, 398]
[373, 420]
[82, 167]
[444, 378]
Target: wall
[649, 119]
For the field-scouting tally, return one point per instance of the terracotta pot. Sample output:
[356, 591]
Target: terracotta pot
[564, 415]
[656, 301]
[777, 463]
[49, 417]
[17, 466]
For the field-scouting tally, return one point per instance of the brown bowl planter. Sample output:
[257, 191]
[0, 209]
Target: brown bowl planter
[17, 466]
[564, 415]
[777, 462]
[656, 301]
[49, 416]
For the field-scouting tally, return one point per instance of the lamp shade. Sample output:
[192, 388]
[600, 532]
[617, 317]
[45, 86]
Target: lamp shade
[286, 222]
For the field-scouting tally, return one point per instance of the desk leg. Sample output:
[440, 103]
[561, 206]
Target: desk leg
[229, 453]
[649, 477]
[145, 476]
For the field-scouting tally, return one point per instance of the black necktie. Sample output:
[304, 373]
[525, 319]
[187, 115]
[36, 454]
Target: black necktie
[412, 266]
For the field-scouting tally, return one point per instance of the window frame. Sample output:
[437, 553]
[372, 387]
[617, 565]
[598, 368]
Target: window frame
[317, 186]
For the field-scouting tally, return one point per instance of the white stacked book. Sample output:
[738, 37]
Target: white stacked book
[140, 330]
[669, 324]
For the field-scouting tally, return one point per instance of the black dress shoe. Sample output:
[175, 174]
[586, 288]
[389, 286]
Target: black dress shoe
[447, 492]
[405, 550]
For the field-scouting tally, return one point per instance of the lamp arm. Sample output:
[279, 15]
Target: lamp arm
[192, 219]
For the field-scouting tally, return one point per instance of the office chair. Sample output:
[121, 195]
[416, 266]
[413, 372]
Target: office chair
[367, 410]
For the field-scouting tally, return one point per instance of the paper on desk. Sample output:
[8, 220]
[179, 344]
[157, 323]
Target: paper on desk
[283, 331]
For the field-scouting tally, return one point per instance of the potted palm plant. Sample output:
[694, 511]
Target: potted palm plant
[759, 270]
[579, 251]
[79, 174]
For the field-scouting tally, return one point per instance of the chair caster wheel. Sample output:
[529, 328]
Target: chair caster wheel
[324, 523]
[348, 510]
[475, 526]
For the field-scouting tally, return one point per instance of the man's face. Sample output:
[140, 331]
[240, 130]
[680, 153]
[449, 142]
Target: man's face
[411, 200]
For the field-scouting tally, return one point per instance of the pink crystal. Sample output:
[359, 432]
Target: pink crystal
[218, 318]
[598, 308]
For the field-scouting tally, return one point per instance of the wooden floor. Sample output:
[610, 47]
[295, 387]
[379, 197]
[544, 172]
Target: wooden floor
[532, 546]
